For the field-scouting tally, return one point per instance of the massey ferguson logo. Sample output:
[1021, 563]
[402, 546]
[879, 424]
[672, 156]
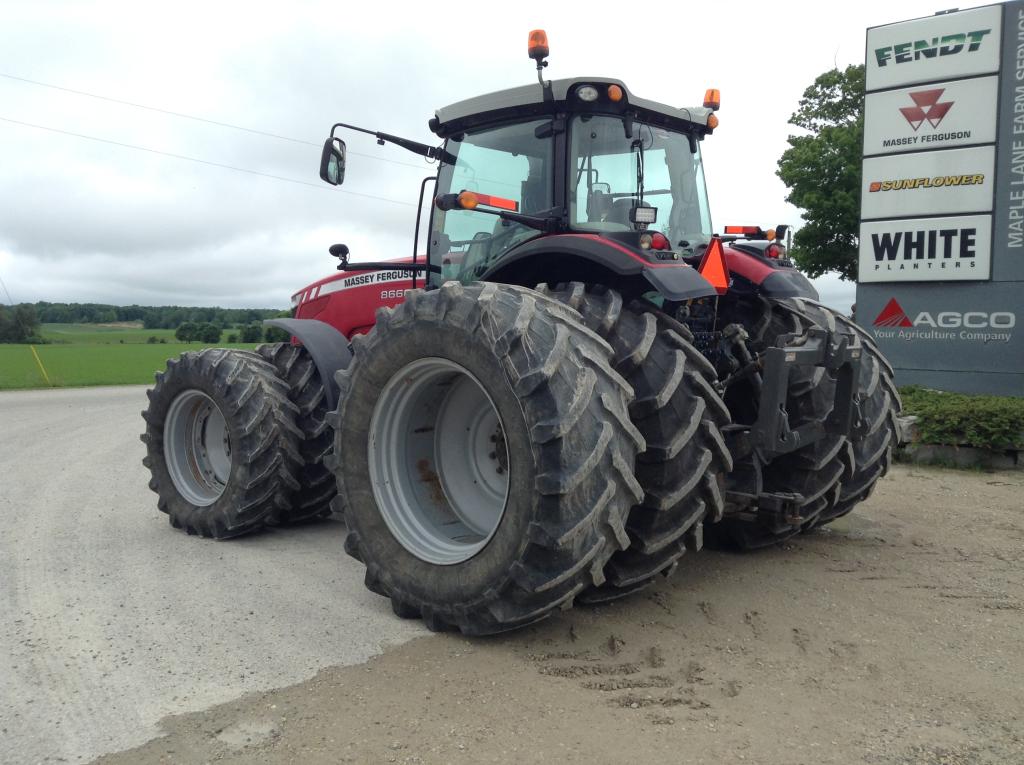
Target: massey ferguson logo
[926, 107]
[893, 322]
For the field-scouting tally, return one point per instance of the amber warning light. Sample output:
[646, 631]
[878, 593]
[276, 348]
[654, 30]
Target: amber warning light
[712, 99]
[538, 45]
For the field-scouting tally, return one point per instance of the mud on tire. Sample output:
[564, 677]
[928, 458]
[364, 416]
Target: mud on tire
[317, 486]
[680, 416]
[564, 431]
[221, 442]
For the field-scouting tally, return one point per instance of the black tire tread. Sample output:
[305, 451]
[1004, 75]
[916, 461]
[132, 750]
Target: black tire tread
[580, 502]
[265, 441]
[817, 470]
[679, 414]
[880, 405]
[317, 487]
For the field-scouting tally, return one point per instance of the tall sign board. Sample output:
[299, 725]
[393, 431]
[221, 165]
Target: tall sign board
[941, 262]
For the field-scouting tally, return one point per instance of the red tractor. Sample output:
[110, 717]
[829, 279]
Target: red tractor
[554, 403]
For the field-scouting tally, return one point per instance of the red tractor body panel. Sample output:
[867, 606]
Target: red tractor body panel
[348, 300]
[746, 265]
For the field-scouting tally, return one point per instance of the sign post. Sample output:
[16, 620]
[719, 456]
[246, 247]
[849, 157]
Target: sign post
[941, 264]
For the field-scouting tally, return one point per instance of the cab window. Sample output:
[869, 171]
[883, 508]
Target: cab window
[508, 162]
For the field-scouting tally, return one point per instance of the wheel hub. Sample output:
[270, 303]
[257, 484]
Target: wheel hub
[438, 461]
[197, 446]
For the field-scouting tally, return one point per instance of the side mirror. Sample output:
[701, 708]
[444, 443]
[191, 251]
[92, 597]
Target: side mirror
[780, 231]
[332, 162]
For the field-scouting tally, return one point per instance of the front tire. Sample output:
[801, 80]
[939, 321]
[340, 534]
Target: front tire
[873, 447]
[814, 472]
[516, 382]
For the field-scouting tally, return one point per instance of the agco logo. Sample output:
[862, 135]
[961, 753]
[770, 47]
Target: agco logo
[926, 107]
[893, 316]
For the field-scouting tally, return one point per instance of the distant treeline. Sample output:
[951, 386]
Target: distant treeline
[152, 317]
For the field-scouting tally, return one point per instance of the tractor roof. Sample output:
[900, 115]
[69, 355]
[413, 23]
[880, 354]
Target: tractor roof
[529, 100]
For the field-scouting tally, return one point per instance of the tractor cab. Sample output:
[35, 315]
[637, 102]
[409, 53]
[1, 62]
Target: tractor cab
[579, 155]
[575, 178]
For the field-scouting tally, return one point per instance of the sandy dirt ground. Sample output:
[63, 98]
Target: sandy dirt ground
[894, 636]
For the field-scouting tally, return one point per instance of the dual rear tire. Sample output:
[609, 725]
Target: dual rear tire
[492, 470]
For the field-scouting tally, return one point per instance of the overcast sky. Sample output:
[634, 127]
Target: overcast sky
[84, 221]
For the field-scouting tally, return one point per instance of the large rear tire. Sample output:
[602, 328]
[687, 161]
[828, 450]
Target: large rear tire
[679, 414]
[221, 442]
[488, 457]
[317, 486]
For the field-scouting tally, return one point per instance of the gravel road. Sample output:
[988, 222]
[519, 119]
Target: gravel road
[893, 637]
[111, 619]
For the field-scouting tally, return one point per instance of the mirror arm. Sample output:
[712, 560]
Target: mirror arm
[430, 152]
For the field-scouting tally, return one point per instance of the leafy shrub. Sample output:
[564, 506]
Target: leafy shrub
[958, 419]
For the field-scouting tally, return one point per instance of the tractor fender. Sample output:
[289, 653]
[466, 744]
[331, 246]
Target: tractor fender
[753, 274]
[582, 257]
[328, 347]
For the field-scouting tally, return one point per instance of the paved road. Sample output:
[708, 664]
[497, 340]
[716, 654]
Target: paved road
[110, 619]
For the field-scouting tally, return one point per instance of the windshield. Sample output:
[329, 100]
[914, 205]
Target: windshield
[612, 169]
[510, 162]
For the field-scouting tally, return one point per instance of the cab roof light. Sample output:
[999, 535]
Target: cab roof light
[538, 45]
[712, 121]
[712, 99]
[614, 93]
[744, 230]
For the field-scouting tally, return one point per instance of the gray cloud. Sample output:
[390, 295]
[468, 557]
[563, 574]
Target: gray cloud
[81, 220]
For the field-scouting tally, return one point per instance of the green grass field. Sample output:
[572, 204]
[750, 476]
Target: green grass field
[85, 354]
[98, 334]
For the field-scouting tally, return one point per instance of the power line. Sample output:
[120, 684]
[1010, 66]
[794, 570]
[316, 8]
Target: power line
[199, 161]
[6, 291]
[182, 115]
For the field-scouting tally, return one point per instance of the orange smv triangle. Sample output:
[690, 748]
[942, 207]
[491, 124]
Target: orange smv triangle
[713, 268]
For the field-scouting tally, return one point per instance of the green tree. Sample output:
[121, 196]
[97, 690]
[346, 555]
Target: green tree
[208, 333]
[19, 324]
[275, 335]
[251, 333]
[823, 172]
[187, 332]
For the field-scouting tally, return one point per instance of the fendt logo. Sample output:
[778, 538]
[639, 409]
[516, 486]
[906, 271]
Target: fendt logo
[915, 50]
[926, 107]
[895, 323]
